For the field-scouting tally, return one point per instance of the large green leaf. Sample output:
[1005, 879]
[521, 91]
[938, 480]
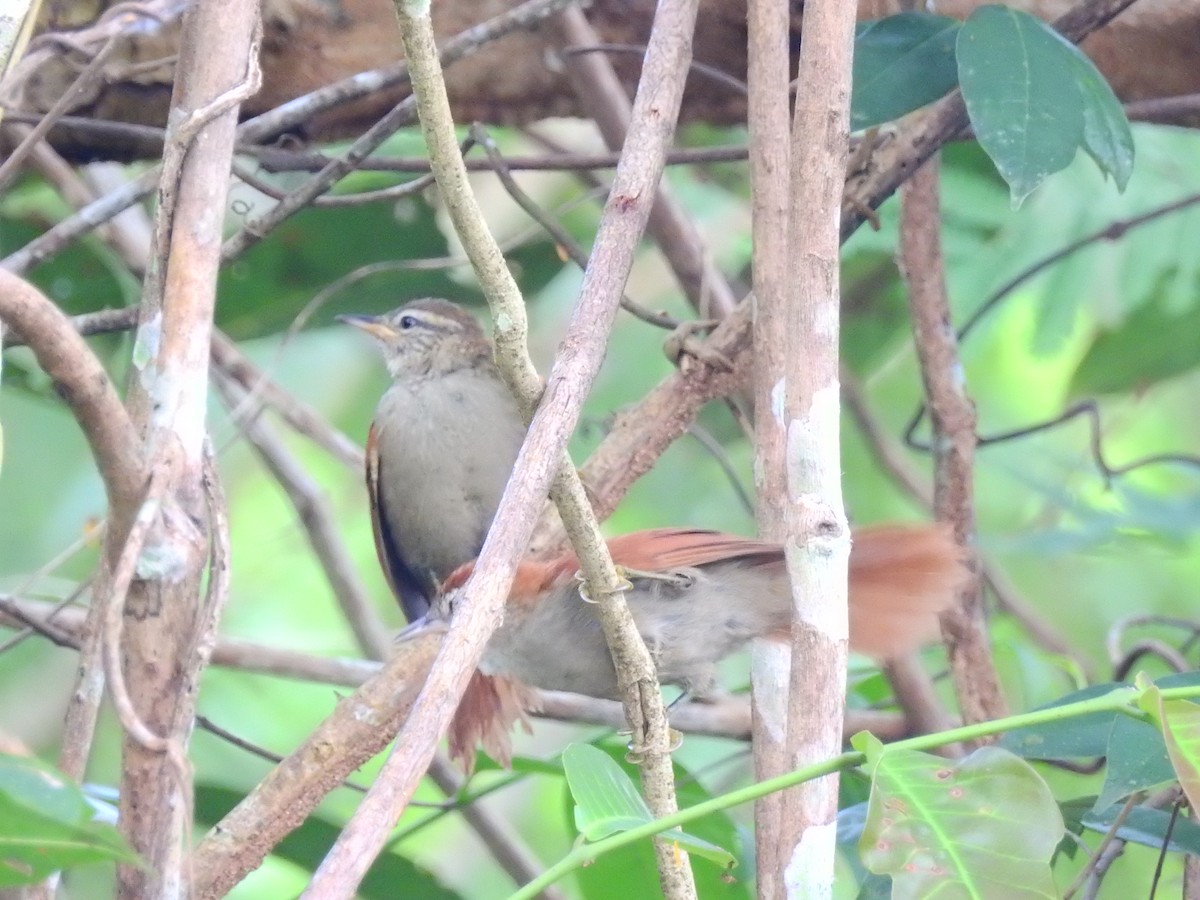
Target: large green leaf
[981, 827]
[47, 824]
[1021, 95]
[900, 64]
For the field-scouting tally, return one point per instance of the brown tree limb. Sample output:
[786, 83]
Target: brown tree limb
[165, 616]
[953, 413]
[359, 727]
[769, 116]
[817, 538]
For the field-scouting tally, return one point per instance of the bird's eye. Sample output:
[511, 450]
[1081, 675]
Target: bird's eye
[407, 322]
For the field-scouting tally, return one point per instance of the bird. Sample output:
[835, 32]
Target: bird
[440, 450]
[696, 596]
[441, 445]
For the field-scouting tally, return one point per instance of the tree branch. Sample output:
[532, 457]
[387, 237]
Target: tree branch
[953, 414]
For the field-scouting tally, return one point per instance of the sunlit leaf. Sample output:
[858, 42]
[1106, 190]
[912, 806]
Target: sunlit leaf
[984, 826]
[607, 802]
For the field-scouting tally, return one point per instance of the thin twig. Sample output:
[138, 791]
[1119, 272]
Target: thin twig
[603, 97]
[727, 718]
[557, 232]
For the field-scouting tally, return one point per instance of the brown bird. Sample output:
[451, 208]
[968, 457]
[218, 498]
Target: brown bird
[439, 453]
[697, 597]
[441, 446]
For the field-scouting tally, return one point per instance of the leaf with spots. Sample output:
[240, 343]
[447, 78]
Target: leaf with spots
[981, 827]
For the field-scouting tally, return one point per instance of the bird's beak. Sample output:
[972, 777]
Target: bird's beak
[372, 325]
[420, 627]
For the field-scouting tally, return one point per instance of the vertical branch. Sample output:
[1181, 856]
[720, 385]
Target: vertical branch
[162, 650]
[952, 413]
[769, 116]
[818, 539]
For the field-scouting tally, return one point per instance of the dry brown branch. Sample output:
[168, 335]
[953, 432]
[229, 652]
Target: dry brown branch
[769, 114]
[359, 727]
[953, 413]
[806, 406]
[162, 652]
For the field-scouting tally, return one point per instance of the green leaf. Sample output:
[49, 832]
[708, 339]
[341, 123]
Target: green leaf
[46, 824]
[1150, 828]
[1078, 736]
[984, 826]
[1179, 721]
[1107, 137]
[900, 64]
[607, 802]
[1153, 344]
[1022, 95]
[1137, 760]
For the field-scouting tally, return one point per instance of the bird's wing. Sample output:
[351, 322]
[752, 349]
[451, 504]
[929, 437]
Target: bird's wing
[412, 592]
